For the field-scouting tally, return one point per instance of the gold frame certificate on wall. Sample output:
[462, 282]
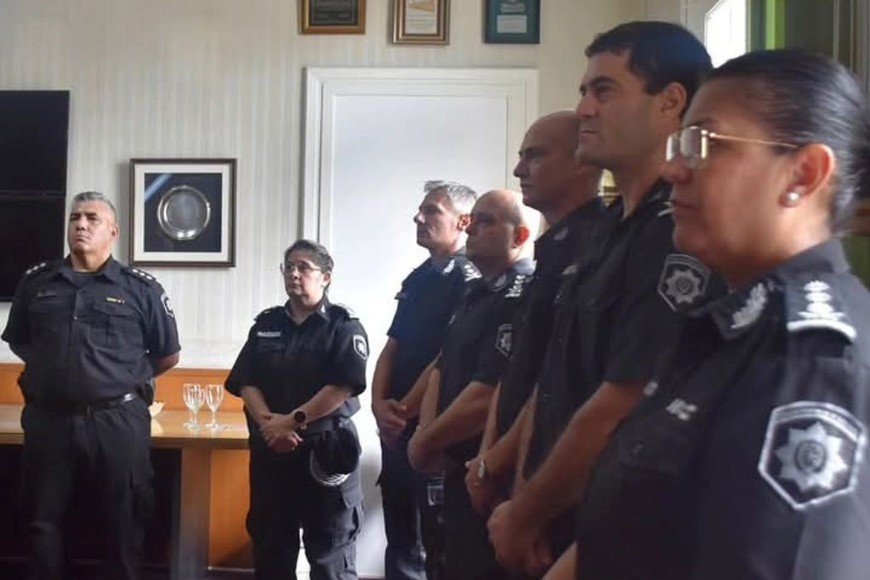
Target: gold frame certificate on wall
[421, 21]
[333, 16]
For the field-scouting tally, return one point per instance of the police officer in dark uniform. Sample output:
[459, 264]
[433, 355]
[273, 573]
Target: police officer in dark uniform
[618, 313]
[427, 299]
[92, 334]
[565, 191]
[472, 359]
[299, 374]
[748, 457]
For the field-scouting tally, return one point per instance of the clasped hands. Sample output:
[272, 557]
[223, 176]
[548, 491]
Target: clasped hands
[392, 419]
[281, 432]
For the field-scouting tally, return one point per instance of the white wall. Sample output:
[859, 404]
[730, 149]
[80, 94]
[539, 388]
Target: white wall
[223, 78]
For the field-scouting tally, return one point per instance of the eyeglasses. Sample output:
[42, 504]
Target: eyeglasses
[693, 144]
[302, 267]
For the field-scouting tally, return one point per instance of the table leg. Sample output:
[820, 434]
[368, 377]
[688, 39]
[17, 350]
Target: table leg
[189, 560]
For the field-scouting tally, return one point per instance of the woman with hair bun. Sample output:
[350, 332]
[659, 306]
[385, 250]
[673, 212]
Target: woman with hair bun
[748, 458]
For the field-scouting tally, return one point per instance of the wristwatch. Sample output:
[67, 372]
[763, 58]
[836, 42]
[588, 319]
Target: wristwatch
[300, 417]
[481, 468]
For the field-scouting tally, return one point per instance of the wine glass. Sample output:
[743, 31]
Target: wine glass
[193, 399]
[214, 396]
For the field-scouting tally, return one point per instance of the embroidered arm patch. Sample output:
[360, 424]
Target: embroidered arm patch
[812, 452]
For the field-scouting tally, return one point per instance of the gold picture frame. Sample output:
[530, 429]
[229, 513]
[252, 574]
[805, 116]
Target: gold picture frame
[421, 22]
[333, 16]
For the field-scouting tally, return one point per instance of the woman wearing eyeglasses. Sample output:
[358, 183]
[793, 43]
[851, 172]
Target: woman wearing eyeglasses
[748, 458]
[299, 374]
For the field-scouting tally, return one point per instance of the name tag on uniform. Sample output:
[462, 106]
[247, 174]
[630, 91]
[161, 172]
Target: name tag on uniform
[114, 300]
[268, 334]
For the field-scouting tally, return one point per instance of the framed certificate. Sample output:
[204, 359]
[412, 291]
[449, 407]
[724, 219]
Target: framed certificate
[182, 212]
[421, 21]
[512, 22]
[333, 16]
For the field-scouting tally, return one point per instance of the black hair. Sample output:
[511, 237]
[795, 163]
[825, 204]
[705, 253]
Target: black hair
[804, 98]
[318, 254]
[659, 52]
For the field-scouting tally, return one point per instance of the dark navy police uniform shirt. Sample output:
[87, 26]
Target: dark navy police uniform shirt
[478, 342]
[615, 315]
[289, 363]
[748, 459]
[428, 298]
[89, 337]
[578, 234]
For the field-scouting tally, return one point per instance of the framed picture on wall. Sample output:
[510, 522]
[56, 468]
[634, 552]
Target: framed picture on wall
[333, 16]
[182, 212]
[512, 22]
[421, 21]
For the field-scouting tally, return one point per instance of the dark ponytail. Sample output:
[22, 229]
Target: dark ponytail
[806, 98]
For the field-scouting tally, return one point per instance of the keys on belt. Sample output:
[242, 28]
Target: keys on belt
[85, 408]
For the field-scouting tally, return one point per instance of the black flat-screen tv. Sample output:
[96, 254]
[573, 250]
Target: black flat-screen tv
[34, 127]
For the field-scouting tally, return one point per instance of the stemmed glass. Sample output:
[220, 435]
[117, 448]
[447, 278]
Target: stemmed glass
[193, 400]
[214, 396]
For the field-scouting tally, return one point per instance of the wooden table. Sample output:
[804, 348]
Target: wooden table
[190, 500]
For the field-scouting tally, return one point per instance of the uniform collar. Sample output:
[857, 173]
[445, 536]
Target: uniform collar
[561, 230]
[322, 309]
[735, 313]
[452, 263]
[111, 270]
[656, 196]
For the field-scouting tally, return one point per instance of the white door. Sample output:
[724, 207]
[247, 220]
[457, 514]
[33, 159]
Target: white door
[373, 136]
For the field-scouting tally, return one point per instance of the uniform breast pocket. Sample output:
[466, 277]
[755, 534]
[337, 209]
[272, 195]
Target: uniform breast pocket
[113, 324]
[593, 314]
[47, 315]
[665, 448]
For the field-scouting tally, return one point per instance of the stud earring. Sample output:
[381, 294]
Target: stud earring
[792, 198]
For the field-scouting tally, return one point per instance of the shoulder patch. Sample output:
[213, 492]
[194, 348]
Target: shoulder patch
[504, 339]
[140, 275]
[817, 305]
[164, 299]
[812, 452]
[360, 346]
[683, 281]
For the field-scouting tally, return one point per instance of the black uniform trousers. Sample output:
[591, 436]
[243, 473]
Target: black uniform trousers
[468, 553]
[415, 536]
[285, 498]
[108, 452]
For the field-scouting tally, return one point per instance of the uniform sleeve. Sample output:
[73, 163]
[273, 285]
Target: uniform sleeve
[495, 350]
[17, 331]
[786, 494]
[401, 319]
[646, 319]
[161, 332]
[348, 356]
[242, 372]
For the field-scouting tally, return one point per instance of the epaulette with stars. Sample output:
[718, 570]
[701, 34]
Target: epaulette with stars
[816, 304]
[141, 275]
[268, 311]
[35, 269]
[347, 309]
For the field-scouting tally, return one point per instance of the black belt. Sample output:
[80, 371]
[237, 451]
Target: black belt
[84, 408]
